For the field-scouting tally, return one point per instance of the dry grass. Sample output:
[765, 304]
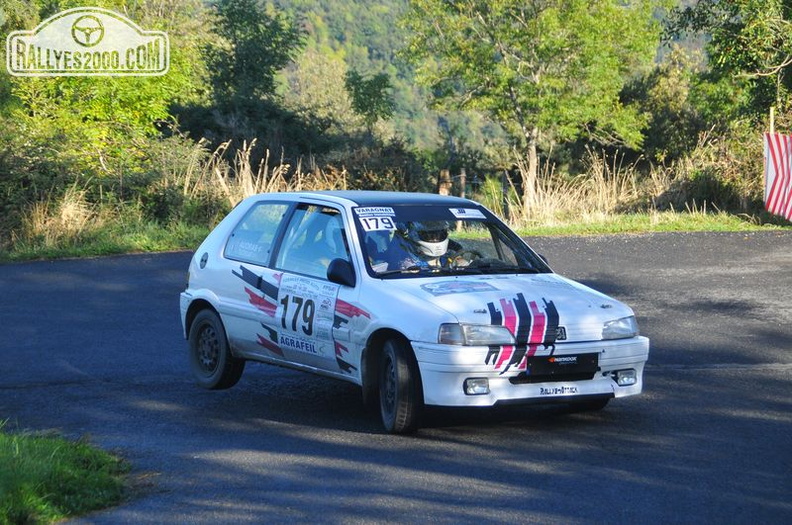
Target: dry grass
[608, 187]
[237, 178]
[54, 220]
[196, 186]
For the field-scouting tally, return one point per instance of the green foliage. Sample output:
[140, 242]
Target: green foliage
[89, 125]
[724, 170]
[58, 131]
[750, 43]
[251, 42]
[363, 36]
[370, 96]
[388, 166]
[491, 194]
[682, 102]
[46, 479]
[114, 230]
[319, 84]
[313, 88]
[256, 43]
[556, 67]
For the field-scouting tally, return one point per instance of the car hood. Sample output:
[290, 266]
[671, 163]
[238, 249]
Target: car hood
[558, 307]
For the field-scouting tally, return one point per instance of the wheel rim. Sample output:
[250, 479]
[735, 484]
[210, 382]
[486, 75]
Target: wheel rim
[208, 350]
[389, 386]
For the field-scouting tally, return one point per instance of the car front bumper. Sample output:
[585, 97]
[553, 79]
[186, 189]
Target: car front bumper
[445, 368]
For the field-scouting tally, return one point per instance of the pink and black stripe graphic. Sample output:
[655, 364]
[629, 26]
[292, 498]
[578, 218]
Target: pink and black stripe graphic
[271, 341]
[267, 303]
[534, 326]
[340, 352]
[344, 313]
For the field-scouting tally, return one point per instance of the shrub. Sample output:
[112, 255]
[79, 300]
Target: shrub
[725, 171]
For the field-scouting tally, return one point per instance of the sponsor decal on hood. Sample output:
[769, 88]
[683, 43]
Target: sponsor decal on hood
[533, 325]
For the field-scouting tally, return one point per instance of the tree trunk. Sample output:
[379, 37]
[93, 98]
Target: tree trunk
[444, 183]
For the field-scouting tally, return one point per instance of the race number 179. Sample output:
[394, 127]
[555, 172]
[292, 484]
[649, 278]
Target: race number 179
[371, 224]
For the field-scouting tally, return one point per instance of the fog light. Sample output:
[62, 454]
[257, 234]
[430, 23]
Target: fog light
[625, 377]
[477, 386]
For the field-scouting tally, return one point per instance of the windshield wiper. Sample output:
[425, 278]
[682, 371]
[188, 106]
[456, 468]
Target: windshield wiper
[515, 269]
[450, 270]
[410, 269]
[444, 270]
[504, 268]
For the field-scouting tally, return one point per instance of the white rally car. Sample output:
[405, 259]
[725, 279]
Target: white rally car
[419, 299]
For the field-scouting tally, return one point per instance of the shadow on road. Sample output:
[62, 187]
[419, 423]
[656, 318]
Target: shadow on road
[94, 348]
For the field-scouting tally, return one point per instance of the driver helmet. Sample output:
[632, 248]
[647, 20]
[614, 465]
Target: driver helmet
[431, 237]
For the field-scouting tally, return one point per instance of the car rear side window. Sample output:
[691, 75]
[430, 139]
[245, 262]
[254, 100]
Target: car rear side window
[251, 240]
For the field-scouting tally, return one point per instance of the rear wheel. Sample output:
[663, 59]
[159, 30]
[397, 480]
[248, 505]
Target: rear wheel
[399, 388]
[210, 356]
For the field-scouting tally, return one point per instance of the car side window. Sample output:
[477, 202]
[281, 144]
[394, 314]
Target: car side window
[314, 237]
[251, 240]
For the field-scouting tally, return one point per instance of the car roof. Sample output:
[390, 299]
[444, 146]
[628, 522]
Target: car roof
[389, 198]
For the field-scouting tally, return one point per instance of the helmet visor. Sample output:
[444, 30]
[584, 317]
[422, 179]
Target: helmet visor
[438, 235]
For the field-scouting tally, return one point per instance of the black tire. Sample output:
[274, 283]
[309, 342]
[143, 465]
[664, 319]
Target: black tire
[211, 361]
[399, 388]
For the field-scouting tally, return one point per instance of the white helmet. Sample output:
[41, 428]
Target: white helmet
[431, 237]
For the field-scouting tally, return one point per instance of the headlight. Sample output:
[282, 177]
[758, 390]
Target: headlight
[474, 335]
[620, 328]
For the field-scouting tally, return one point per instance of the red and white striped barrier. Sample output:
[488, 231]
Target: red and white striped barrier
[778, 174]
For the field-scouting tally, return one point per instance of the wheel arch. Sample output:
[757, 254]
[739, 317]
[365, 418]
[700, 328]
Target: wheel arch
[370, 361]
[196, 306]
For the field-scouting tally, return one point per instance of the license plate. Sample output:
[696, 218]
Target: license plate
[563, 365]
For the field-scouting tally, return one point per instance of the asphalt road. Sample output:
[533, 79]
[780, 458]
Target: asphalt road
[93, 348]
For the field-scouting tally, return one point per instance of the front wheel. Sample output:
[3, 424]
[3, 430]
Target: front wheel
[212, 363]
[399, 388]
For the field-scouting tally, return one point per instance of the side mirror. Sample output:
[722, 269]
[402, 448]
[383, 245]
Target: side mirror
[341, 272]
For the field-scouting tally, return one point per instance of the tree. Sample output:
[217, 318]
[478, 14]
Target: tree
[313, 87]
[371, 98]
[543, 69]
[750, 43]
[256, 43]
[671, 94]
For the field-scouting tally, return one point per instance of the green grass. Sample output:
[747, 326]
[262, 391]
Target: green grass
[46, 478]
[137, 236]
[109, 240]
[659, 222]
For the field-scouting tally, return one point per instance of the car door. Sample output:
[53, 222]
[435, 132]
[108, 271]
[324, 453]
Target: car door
[302, 326]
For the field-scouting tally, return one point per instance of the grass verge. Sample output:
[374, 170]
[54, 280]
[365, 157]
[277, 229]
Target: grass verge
[45, 478]
[667, 221]
[139, 236]
[109, 240]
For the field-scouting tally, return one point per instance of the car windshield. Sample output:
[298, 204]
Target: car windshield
[425, 240]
